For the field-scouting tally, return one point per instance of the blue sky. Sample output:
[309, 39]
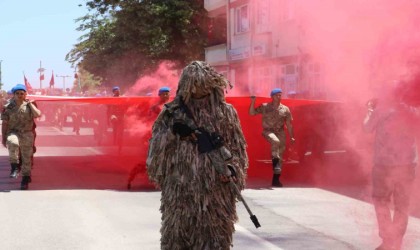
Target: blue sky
[33, 31]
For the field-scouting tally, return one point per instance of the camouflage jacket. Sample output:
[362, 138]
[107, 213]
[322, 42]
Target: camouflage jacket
[274, 118]
[19, 119]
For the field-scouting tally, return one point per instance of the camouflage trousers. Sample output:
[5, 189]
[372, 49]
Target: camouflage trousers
[395, 182]
[25, 142]
[278, 145]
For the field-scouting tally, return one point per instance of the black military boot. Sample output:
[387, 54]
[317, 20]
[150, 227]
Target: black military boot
[276, 181]
[276, 170]
[25, 182]
[275, 161]
[14, 172]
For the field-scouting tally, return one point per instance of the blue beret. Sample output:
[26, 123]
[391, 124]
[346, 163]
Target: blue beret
[18, 87]
[164, 89]
[115, 88]
[275, 91]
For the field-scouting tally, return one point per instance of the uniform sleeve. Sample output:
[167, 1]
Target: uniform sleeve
[4, 114]
[289, 115]
[260, 109]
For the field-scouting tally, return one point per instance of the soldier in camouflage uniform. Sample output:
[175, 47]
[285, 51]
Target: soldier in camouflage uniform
[198, 206]
[394, 161]
[18, 132]
[164, 94]
[274, 117]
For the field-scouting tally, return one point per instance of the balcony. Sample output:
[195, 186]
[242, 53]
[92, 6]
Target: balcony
[216, 55]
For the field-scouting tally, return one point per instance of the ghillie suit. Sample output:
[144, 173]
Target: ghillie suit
[198, 209]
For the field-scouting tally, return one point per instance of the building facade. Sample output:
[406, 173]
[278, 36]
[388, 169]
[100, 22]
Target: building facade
[263, 48]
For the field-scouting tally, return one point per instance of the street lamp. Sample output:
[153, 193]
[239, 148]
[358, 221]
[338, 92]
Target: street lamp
[64, 80]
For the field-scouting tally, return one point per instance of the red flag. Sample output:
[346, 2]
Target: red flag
[27, 84]
[52, 80]
[41, 77]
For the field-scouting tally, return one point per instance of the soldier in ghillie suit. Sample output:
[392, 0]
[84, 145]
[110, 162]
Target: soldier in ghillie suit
[197, 204]
[18, 132]
[275, 116]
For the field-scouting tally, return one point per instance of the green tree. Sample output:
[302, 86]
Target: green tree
[86, 82]
[127, 39]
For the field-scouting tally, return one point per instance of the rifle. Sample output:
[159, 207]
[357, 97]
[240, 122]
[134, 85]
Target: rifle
[253, 218]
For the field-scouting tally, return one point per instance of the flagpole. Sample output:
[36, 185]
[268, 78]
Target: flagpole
[52, 81]
[28, 86]
[41, 73]
[64, 80]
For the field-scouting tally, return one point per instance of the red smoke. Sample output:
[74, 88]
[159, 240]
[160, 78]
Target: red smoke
[363, 46]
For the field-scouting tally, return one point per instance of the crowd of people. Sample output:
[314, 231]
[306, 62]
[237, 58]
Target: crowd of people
[101, 118]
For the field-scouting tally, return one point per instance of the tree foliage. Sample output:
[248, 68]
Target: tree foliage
[126, 39]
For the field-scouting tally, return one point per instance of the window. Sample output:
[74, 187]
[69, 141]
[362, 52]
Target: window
[263, 18]
[314, 75]
[289, 78]
[242, 19]
[289, 69]
[287, 10]
[263, 80]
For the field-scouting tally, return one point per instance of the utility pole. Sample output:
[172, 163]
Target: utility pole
[1, 82]
[41, 74]
[64, 81]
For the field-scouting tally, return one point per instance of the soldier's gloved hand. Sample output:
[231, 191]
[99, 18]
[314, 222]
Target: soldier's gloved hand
[230, 174]
[182, 129]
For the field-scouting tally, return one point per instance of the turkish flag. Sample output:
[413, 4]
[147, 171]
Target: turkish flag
[41, 77]
[27, 84]
[52, 82]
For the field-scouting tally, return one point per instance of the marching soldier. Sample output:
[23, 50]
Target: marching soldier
[18, 132]
[275, 116]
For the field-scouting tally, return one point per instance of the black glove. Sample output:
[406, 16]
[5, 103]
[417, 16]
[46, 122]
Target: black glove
[181, 129]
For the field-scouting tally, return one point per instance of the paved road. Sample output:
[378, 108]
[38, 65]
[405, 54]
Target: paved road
[78, 200]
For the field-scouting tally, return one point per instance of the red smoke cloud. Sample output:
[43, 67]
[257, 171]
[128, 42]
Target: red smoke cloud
[363, 45]
[148, 85]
